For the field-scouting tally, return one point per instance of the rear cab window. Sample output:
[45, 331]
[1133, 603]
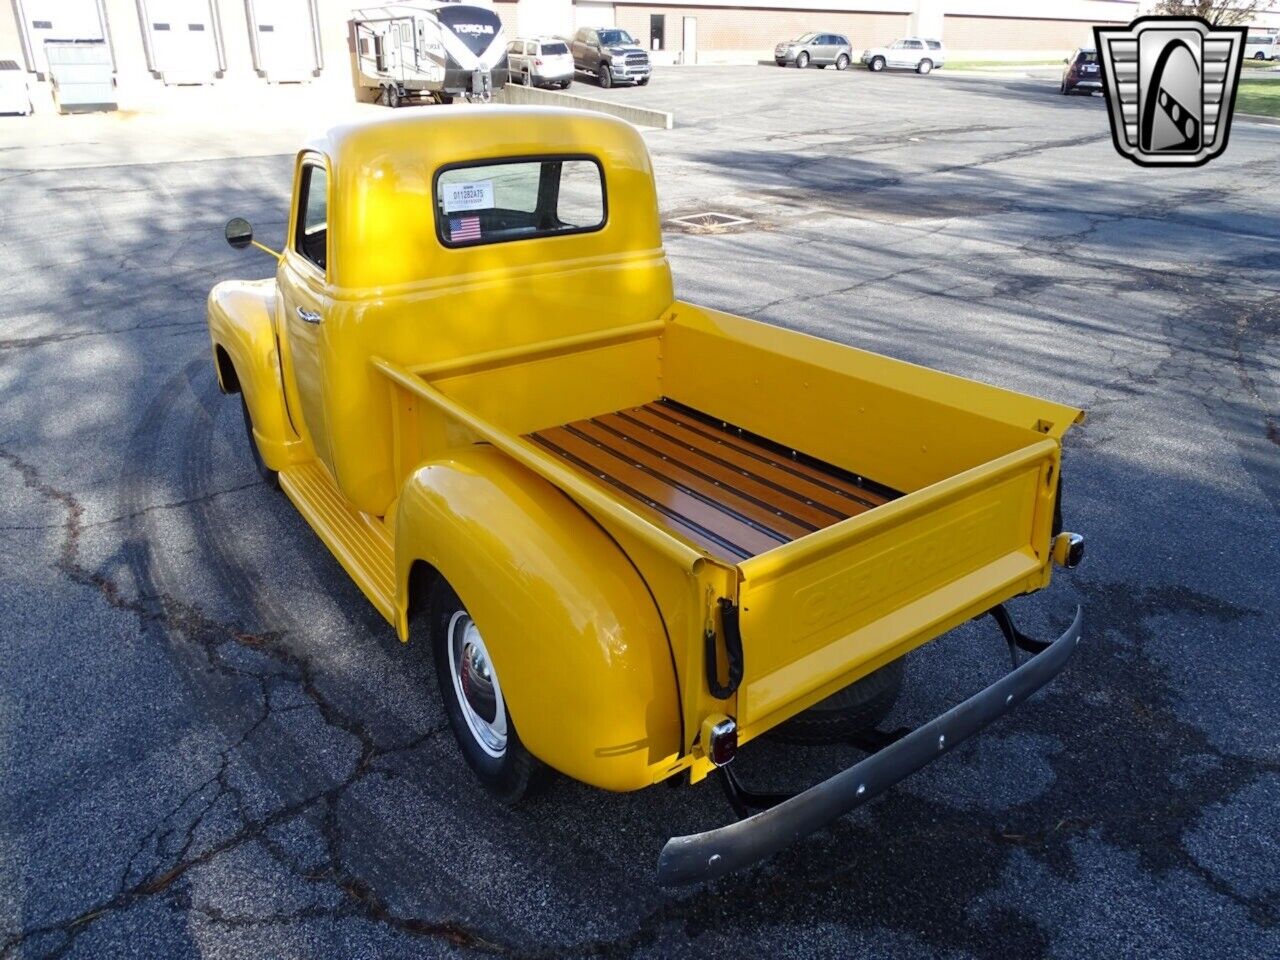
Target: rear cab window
[496, 202]
[933, 44]
[553, 49]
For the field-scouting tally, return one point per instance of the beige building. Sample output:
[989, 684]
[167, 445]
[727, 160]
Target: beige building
[156, 49]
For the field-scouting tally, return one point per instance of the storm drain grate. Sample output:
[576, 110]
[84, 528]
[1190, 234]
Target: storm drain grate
[710, 219]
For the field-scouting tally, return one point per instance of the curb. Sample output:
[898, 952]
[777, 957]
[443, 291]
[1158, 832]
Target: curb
[1258, 118]
[532, 96]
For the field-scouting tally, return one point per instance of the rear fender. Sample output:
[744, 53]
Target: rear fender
[573, 631]
[242, 331]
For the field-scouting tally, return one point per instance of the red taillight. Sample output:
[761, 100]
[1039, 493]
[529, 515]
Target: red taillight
[723, 745]
[537, 62]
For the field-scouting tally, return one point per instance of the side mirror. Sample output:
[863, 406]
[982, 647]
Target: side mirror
[239, 232]
[1066, 59]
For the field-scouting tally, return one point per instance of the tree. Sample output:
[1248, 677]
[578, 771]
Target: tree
[1218, 12]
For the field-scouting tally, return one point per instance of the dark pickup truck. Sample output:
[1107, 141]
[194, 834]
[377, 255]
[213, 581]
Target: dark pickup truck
[610, 55]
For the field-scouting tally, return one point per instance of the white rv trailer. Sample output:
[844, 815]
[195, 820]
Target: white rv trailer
[434, 50]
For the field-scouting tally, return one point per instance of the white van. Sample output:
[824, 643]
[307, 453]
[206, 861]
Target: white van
[1260, 47]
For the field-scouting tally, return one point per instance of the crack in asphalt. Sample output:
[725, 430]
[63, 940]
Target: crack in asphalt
[23, 343]
[171, 505]
[181, 621]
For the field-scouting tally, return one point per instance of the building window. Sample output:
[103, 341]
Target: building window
[657, 31]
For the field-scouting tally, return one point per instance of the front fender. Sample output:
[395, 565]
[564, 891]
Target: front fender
[240, 324]
[572, 629]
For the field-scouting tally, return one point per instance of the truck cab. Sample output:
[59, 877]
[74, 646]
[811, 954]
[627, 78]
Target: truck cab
[636, 533]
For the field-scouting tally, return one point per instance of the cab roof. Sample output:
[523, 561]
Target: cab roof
[382, 179]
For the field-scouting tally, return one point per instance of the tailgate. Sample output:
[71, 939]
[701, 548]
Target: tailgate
[823, 610]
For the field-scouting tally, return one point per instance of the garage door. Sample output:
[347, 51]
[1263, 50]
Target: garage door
[181, 39]
[58, 20]
[283, 39]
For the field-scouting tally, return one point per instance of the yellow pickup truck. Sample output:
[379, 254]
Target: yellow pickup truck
[636, 533]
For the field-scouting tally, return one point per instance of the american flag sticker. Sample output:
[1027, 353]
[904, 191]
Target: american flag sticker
[464, 228]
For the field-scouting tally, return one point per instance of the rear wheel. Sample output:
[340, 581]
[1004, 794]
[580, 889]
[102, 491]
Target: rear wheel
[858, 707]
[924, 67]
[876, 64]
[474, 702]
[527, 79]
[802, 61]
[842, 62]
[384, 96]
[269, 476]
[393, 96]
[1259, 55]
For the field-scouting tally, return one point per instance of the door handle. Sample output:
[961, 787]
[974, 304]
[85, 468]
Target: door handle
[308, 316]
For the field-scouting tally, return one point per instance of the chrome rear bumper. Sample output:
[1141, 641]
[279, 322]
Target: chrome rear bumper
[705, 856]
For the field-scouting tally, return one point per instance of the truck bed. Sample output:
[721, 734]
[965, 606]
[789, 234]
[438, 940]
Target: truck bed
[703, 435]
[731, 492]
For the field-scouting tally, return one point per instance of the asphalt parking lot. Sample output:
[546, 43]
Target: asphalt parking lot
[210, 744]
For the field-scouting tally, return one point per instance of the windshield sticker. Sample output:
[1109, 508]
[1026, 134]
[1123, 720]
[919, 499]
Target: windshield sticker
[476, 195]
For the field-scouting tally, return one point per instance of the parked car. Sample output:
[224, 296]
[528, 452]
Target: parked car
[1081, 71]
[1260, 47]
[539, 62]
[610, 55]
[633, 533]
[817, 49]
[910, 53]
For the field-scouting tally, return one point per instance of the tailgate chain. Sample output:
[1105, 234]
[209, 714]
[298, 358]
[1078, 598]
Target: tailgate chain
[1014, 637]
[732, 649]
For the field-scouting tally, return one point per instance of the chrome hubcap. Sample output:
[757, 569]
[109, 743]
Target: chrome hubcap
[476, 685]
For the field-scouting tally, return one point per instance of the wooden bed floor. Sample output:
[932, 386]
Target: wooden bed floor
[735, 494]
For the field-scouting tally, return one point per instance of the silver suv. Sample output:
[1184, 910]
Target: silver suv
[912, 53]
[818, 49]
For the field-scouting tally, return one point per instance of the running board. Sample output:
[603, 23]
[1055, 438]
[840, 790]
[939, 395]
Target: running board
[360, 542]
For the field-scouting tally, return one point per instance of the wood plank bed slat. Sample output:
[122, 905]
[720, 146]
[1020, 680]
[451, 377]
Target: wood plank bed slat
[734, 495]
